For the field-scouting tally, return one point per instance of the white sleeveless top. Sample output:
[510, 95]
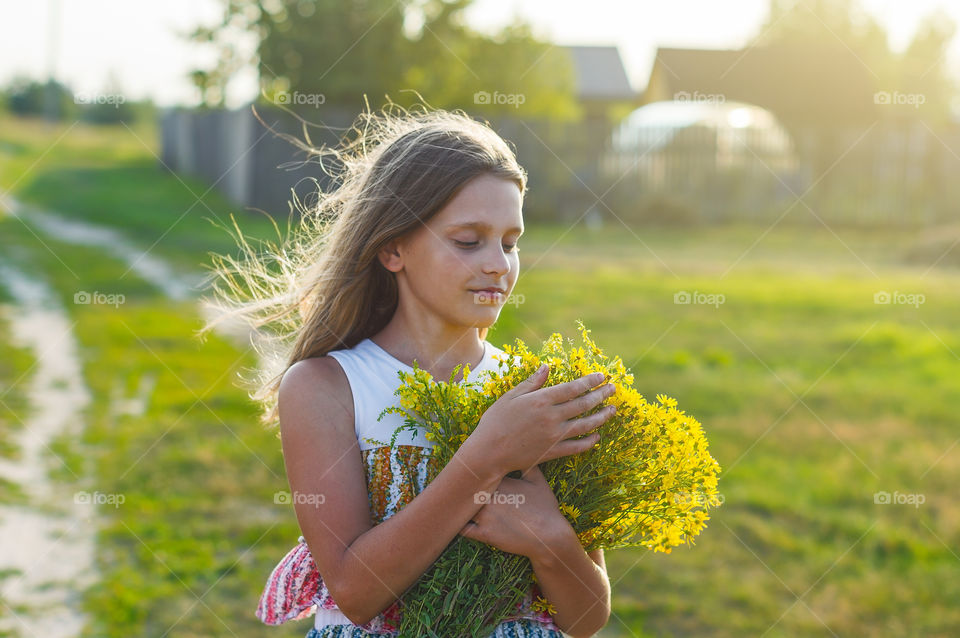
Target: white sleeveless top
[373, 376]
[395, 475]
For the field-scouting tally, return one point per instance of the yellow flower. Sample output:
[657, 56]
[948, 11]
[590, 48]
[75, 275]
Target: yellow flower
[570, 510]
[650, 484]
[666, 401]
[542, 604]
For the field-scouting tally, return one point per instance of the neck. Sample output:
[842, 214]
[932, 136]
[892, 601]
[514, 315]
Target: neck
[438, 350]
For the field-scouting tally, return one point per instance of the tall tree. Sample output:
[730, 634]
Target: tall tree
[923, 66]
[842, 39]
[345, 49]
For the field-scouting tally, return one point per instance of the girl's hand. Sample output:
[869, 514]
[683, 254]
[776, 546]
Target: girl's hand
[521, 517]
[530, 424]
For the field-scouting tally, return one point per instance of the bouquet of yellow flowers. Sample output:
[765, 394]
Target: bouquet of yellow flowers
[648, 482]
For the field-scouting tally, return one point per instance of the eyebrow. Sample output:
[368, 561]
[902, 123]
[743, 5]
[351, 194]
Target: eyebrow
[481, 225]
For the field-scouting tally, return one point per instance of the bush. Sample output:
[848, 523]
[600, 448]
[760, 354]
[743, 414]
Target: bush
[29, 97]
[634, 206]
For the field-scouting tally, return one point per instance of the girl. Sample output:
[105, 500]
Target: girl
[410, 258]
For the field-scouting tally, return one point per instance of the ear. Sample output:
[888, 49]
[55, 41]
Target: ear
[390, 256]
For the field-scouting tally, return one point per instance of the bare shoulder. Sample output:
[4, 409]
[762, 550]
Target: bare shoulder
[315, 386]
[322, 457]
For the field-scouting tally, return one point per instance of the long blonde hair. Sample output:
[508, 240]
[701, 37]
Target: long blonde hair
[322, 287]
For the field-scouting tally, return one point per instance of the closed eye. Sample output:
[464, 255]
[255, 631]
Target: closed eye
[471, 244]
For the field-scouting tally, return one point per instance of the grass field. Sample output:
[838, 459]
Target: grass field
[14, 365]
[814, 397]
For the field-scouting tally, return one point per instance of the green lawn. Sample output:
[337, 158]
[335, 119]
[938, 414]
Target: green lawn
[814, 398]
[113, 176]
[15, 367]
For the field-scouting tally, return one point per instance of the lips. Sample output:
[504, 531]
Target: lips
[489, 296]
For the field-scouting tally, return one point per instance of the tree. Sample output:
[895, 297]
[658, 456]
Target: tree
[30, 97]
[338, 51]
[922, 69]
[510, 73]
[846, 45]
[109, 106]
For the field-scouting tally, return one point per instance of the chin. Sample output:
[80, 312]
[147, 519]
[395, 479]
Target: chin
[489, 317]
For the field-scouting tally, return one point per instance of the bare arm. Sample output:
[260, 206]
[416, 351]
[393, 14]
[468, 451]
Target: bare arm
[366, 567]
[575, 582]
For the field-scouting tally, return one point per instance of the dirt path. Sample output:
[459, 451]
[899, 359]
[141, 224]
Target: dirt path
[50, 542]
[145, 265]
[151, 268]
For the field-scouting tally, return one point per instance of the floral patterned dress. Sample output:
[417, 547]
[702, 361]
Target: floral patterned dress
[395, 475]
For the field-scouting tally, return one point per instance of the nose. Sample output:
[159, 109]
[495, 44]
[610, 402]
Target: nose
[496, 261]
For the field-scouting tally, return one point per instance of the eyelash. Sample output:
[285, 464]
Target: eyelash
[471, 244]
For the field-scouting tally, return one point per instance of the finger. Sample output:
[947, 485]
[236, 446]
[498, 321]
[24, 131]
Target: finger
[566, 443]
[585, 424]
[563, 392]
[532, 382]
[579, 405]
[571, 446]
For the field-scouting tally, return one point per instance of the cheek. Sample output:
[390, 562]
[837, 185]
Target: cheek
[514, 268]
[437, 261]
[453, 264]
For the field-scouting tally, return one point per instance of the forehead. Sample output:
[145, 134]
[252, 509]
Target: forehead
[485, 203]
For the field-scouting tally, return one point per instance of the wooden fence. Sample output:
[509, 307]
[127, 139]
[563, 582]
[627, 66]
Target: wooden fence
[899, 174]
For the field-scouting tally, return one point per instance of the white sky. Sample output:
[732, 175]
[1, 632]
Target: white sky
[136, 41]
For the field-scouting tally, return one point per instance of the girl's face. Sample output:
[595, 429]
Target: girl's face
[470, 245]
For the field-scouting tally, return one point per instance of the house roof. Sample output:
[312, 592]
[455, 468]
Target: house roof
[600, 73]
[799, 83]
